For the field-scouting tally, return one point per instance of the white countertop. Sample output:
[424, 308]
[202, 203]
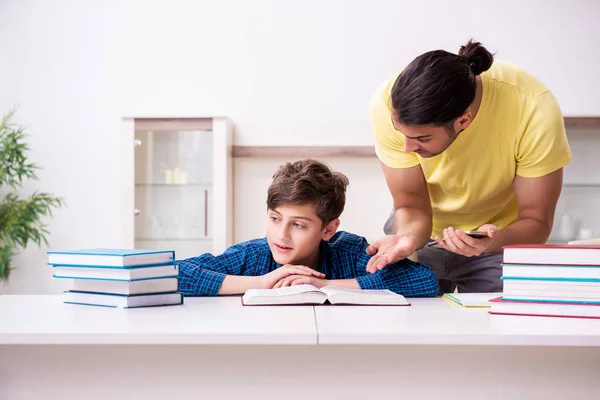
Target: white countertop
[44, 319]
[433, 321]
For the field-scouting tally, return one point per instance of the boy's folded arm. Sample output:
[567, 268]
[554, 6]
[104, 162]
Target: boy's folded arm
[371, 281]
[406, 277]
[205, 275]
[233, 284]
[204, 282]
[411, 279]
[197, 281]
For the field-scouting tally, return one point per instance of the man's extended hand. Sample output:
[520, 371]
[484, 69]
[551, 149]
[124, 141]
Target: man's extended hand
[293, 280]
[459, 242]
[269, 280]
[388, 250]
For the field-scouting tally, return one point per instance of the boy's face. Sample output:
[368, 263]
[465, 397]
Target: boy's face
[294, 233]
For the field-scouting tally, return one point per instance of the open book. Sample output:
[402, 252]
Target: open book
[309, 294]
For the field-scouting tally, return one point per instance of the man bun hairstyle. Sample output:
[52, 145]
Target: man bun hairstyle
[309, 182]
[477, 56]
[438, 86]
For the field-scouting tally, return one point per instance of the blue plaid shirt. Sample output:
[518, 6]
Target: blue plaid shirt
[342, 257]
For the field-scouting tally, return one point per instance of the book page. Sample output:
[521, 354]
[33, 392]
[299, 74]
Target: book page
[300, 294]
[330, 290]
[284, 291]
[337, 295]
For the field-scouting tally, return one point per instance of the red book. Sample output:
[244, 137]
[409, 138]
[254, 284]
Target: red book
[545, 308]
[552, 254]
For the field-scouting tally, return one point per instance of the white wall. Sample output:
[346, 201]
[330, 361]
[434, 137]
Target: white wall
[286, 72]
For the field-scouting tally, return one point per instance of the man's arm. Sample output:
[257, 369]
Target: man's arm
[543, 151]
[412, 217]
[536, 198]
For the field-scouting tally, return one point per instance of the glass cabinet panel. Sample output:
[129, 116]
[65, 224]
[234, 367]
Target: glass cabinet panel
[173, 194]
[577, 215]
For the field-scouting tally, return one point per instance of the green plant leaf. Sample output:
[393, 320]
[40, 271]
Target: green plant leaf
[21, 220]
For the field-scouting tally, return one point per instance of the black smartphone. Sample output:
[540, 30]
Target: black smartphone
[477, 234]
[473, 234]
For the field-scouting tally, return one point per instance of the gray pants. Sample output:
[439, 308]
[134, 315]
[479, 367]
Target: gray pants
[479, 274]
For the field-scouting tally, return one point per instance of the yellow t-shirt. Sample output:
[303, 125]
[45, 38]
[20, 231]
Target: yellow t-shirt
[518, 129]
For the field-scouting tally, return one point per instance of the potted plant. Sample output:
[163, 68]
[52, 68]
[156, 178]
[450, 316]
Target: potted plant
[21, 218]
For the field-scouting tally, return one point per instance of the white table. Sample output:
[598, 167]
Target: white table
[211, 320]
[435, 322]
[214, 348]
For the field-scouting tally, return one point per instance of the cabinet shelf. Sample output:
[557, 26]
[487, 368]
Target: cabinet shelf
[187, 239]
[197, 185]
[591, 185]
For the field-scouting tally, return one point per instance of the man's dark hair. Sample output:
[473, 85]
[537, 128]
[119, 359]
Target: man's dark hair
[437, 87]
[309, 182]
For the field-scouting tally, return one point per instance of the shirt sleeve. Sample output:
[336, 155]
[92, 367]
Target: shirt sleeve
[389, 143]
[204, 275]
[408, 278]
[543, 148]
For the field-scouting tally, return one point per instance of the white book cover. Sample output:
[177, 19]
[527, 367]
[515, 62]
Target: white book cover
[143, 286]
[127, 274]
[121, 301]
[111, 257]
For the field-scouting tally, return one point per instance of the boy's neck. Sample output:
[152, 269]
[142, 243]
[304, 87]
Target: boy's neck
[313, 261]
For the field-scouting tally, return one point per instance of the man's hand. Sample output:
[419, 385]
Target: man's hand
[269, 280]
[390, 249]
[459, 242]
[292, 280]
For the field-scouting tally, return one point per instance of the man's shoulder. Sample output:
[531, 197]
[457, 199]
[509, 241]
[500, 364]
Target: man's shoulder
[508, 75]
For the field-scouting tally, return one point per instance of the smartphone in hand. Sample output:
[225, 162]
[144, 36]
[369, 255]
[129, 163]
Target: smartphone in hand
[473, 234]
[477, 234]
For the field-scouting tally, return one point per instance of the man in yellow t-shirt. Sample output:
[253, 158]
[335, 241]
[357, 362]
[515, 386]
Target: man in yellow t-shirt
[466, 143]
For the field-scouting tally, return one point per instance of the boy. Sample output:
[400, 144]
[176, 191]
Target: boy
[304, 202]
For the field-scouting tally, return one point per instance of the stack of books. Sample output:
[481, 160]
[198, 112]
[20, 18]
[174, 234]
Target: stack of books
[118, 278]
[550, 280]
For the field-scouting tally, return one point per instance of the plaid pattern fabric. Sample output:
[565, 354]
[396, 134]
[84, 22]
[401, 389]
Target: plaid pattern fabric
[342, 257]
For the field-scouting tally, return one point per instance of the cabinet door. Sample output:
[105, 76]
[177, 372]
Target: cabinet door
[176, 185]
[173, 193]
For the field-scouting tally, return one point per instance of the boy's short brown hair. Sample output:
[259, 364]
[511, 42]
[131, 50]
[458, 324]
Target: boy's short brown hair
[309, 182]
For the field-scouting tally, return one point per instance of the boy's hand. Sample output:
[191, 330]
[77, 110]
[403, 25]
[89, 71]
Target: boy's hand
[293, 280]
[269, 280]
[388, 250]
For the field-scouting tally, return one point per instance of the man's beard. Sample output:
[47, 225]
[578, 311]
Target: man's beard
[452, 135]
